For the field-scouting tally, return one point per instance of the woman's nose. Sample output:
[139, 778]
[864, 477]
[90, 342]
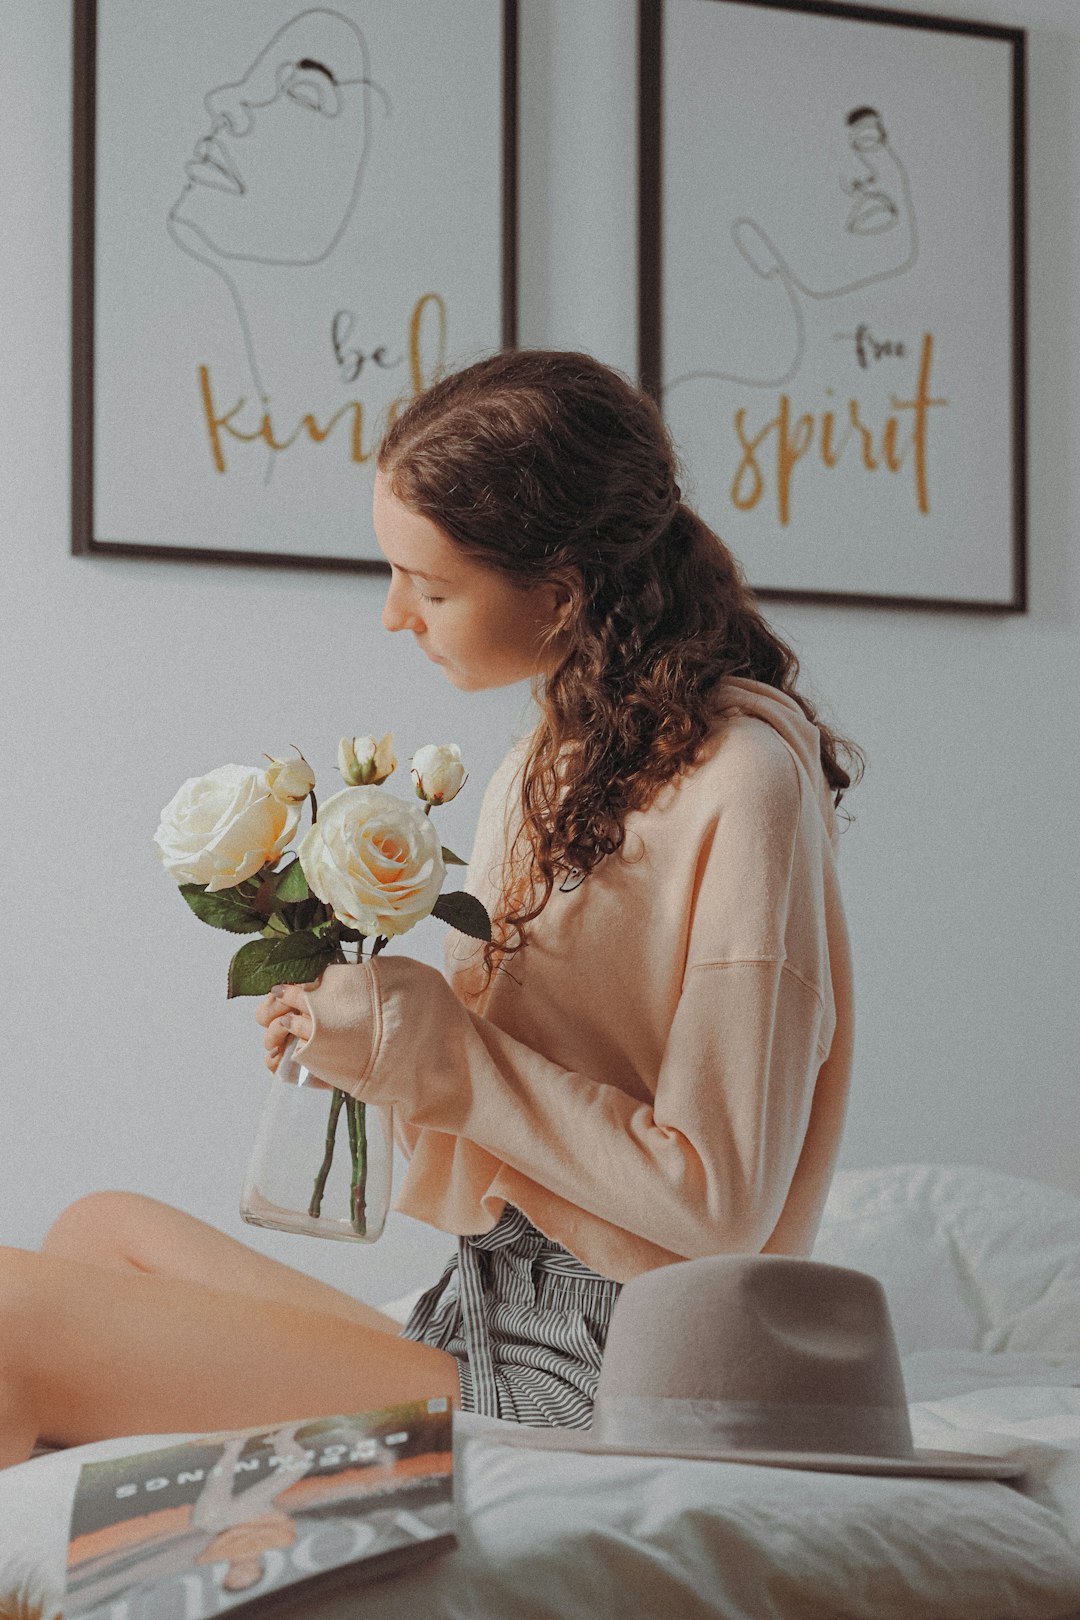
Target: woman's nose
[397, 613]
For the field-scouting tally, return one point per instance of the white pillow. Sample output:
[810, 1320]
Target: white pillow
[401, 1308]
[35, 1511]
[971, 1259]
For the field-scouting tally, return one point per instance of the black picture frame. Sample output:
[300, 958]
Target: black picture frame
[1010, 594]
[86, 540]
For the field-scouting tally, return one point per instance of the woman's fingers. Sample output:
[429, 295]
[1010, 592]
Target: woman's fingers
[267, 1010]
[284, 1016]
[283, 1028]
[292, 993]
[283, 1000]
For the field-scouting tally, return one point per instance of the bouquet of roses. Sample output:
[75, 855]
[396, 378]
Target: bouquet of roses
[370, 866]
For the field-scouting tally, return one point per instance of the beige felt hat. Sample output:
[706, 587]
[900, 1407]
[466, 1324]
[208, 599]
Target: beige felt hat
[760, 1359]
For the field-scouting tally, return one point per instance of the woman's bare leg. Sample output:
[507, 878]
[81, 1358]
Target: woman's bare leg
[130, 1232]
[89, 1351]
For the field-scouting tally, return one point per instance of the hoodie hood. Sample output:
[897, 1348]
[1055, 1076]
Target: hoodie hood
[802, 736]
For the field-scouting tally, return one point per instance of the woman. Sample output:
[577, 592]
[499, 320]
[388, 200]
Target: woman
[649, 1062]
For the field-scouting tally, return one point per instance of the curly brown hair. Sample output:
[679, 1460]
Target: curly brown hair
[553, 468]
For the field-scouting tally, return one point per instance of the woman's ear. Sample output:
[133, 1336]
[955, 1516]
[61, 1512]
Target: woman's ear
[564, 606]
[553, 605]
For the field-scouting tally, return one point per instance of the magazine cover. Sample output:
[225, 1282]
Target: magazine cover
[191, 1530]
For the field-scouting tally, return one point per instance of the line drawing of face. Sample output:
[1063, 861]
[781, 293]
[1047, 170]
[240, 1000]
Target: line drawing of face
[866, 233]
[276, 176]
[855, 228]
[873, 209]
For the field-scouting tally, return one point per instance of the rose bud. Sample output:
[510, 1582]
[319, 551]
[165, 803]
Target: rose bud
[363, 762]
[290, 780]
[438, 772]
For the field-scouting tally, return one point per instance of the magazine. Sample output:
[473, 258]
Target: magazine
[190, 1530]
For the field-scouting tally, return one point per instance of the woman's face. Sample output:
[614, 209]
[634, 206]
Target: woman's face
[482, 629]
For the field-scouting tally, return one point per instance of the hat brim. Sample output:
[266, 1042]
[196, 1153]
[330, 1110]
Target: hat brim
[920, 1464]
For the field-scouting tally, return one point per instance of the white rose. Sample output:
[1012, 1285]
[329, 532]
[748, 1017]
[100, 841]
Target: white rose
[290, 780]
[375, 859]
[220, 828]
[438, 772]
[363, 761]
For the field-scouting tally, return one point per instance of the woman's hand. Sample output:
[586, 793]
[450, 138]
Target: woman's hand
[284, 1016]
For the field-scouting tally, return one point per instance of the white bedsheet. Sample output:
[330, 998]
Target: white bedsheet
[543, 1535]
[549, 1536]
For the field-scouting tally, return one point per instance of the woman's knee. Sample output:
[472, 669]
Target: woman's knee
[19, 1329]
[20, 1299]
[97, 1226]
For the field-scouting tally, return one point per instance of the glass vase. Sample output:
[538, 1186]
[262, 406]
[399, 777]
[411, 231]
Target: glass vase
[322, 1163]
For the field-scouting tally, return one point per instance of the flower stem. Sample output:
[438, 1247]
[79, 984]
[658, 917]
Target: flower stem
[315, 1207]
[358, 1145]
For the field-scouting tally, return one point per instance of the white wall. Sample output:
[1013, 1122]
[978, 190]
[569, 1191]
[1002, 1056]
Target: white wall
[123, 1063]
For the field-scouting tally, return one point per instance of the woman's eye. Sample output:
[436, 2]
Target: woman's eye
[424, 597]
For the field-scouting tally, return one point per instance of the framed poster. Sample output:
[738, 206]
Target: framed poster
[832, 294]
[288, 220]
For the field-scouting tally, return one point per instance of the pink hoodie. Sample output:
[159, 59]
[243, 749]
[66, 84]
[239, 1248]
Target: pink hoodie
[663, 1070]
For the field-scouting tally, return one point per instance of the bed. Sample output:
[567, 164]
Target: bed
[982, 1272]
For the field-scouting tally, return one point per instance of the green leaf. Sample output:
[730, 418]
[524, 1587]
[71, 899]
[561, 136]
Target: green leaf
[226, 909]
[258, 966]
[464, 912]
[451, 859]
[291, 884]
[306, 913]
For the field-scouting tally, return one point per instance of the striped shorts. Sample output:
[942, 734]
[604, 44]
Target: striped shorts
[526, 1322]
